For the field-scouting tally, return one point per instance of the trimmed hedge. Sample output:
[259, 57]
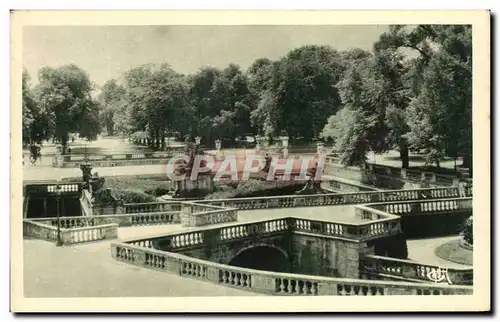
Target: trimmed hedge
[256, 188]
[153, 188]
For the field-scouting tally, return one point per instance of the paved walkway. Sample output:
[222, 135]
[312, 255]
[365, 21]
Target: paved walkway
[89, 271]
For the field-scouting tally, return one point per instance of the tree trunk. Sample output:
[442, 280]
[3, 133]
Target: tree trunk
[467, 163]
[64, 143]
[404, 154]
[162, 143]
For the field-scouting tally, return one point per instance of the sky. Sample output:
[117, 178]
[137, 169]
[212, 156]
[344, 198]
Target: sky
[106, 52]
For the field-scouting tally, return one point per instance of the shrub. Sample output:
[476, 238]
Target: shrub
[152, 188]
[467, 233]
[257, 188]
[132, 196]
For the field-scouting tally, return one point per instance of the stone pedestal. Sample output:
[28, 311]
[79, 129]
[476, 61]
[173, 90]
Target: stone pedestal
[188, 187]
[86, 173]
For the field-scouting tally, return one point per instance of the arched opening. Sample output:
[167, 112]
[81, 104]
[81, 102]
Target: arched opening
[262, 258]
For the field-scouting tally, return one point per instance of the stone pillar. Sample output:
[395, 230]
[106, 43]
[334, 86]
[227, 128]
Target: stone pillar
[186, 215]
[320, 147]
[348, 261]
[258, 141]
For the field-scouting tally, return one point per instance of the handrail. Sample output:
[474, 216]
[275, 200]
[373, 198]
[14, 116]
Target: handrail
[349, 197]
[271, 282]
[407, 269]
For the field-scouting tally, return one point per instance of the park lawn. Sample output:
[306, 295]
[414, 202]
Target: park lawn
[453, 252]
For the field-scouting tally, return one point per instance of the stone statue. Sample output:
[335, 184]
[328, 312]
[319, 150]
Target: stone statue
[86, 174]
[312, 185]
[268, 163]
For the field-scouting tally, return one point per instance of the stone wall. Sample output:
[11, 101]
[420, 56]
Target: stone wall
[315, 255]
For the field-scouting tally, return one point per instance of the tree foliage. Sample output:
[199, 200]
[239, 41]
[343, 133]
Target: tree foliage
[413, 90]
[64, 97]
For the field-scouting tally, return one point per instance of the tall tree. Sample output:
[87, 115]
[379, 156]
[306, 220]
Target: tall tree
[111, 99]
[303, 83]
[443, 107]
[444, 54]
[64, 95]
[33, 119]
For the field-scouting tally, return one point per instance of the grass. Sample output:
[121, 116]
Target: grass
[453, 252]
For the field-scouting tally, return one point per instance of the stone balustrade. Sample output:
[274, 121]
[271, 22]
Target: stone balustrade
[89, 234]
[334, 198]
[426, 207]
[328, 199]
[107, 160]
[86, 203]
[177, 241]
[408, 175]
[388, 267]
[273, 283]
[340, 185]
[39, 230]
[122, 220]
[73, 235]
[161, 206]
[211, 217]
[385, 225]
[198, 214]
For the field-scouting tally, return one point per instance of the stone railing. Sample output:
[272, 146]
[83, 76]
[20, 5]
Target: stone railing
[43, 189]
[86, 203]
[134, 208]
[273, 283]
[212, 217]
[334, 199]
[426, 207]
[328, 199]
[407, 175]
[198, 238]
[339, 185]
[89, 234]
[386, 224]
[109, 160]
[122, 220]
[39, 230]
[197, 214]
[69, 236]
[387, 267]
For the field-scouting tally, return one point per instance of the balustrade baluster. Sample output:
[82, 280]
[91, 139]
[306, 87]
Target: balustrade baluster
[282, 286]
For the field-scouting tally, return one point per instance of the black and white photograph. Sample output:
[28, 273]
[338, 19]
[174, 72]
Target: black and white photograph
[252, 161]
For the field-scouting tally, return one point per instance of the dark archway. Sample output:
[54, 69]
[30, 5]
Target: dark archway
[265, 258]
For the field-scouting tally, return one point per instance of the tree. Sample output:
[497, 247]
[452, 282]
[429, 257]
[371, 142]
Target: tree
[64, 95]
[361, 126]
[347, 128]
[33, 119]
[303, 83]
[111, 99]
[155, 96]
[443, 106]
[439, 80]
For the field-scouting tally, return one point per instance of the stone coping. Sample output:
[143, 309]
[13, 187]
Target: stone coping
[272, 282]
[370, 193]
[412, 262]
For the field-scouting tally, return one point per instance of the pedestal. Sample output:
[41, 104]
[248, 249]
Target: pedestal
[86, 172]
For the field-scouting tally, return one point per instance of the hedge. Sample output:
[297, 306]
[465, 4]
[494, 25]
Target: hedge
[467, 232]
[256, 188]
